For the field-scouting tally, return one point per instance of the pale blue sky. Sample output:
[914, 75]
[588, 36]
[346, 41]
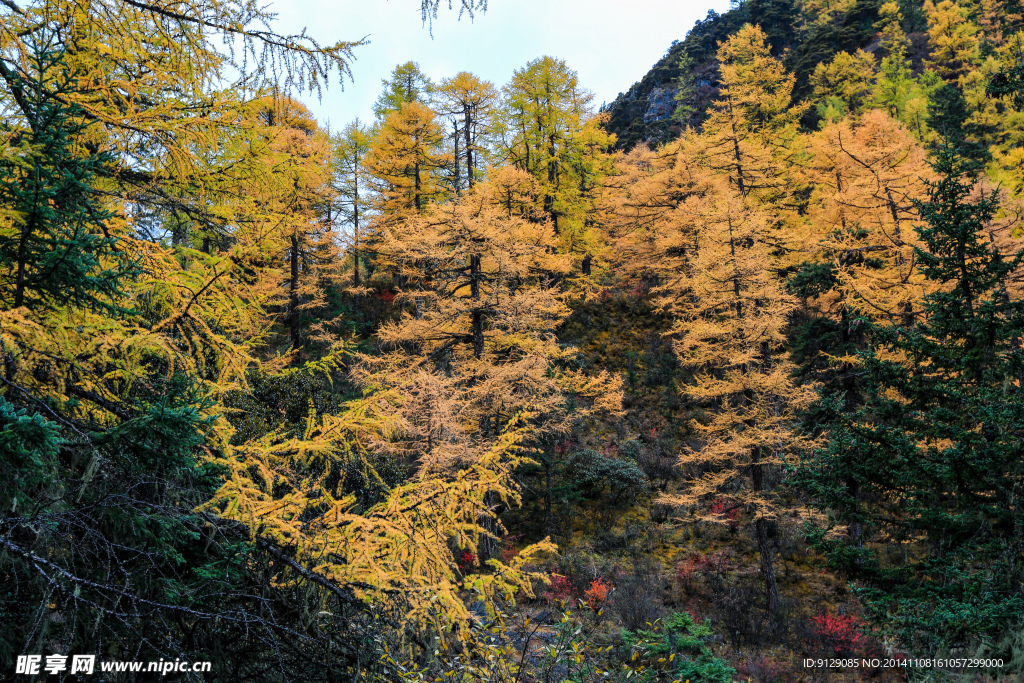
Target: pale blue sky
[610, 43]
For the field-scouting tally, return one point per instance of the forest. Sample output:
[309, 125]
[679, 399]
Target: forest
[718, 382]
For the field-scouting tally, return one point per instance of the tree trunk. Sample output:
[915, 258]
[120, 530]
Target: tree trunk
[416, 187]
[478, 315]
[22, 276]
[469, 147]
[355, 228]
[293, 293]
[771, 587]
[458, 176]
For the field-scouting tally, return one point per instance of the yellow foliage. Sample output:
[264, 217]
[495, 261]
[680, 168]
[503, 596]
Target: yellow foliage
[280, 486]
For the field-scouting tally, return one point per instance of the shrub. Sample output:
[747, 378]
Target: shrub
[710, 566]
[559, 590]
[841, 635]
[596, 475]
[678, 645]
[635, 600]
[597, 594]
[508, 549]
[466, 561]
[765, 670]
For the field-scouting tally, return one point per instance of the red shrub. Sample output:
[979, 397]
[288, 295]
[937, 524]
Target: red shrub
[559, 590]
[597, 594]
[466, 561]
[728, 508]
[387, 296]
[842, 635]
[508, 549]
[692, 568]
[640, 290]
[564, 446]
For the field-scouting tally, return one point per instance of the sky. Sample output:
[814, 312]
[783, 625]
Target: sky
[610, 43]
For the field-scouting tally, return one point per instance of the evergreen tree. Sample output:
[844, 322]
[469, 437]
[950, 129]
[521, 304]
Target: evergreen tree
[56, 245]
[407, 84]
[933, 459]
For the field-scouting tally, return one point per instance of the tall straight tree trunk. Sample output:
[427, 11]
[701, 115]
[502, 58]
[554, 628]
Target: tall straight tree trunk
[469, 146]
[293, 293]
[478, 315]
[355, 224]
[355, 251]
[771, 586]
[458, 175]
[416, 187]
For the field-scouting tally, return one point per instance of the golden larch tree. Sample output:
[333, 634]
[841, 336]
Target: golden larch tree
[731, 312]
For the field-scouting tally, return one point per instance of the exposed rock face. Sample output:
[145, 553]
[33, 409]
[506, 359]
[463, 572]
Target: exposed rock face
[661, 103]
[644, 113]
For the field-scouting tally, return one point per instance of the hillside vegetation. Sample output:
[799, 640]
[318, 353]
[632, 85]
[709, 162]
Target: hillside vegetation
[720, 383]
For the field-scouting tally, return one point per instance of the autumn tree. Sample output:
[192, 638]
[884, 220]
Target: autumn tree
[844, 85]
[164, 202]
[731, 314]
[407, 84]
[405, 161]
[865, 175]
[299, 202]
[351, 182]
[478, 351]
[894, 82]
[469, 104]
[749, 127]
[548, 130]
[953, 37]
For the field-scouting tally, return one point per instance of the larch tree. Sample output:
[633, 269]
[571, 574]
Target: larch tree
[641, 196]
[864, 175]
[405, 162]
[548, 130]
[731, 312]
[352, 185]
[953, 37]
[111, 411]
[407, 84]
[300, 161]
[844, 85]
[469, 104]
[479, 350]
[893, 86]
[749, 127]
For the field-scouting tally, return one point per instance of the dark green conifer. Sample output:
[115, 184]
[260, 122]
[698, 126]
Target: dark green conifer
[59, 250]
[934, 460]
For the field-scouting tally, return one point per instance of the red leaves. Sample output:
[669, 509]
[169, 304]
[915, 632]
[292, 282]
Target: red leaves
[466, 561]
[560, 589]
[597, 594]
[843, 635]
